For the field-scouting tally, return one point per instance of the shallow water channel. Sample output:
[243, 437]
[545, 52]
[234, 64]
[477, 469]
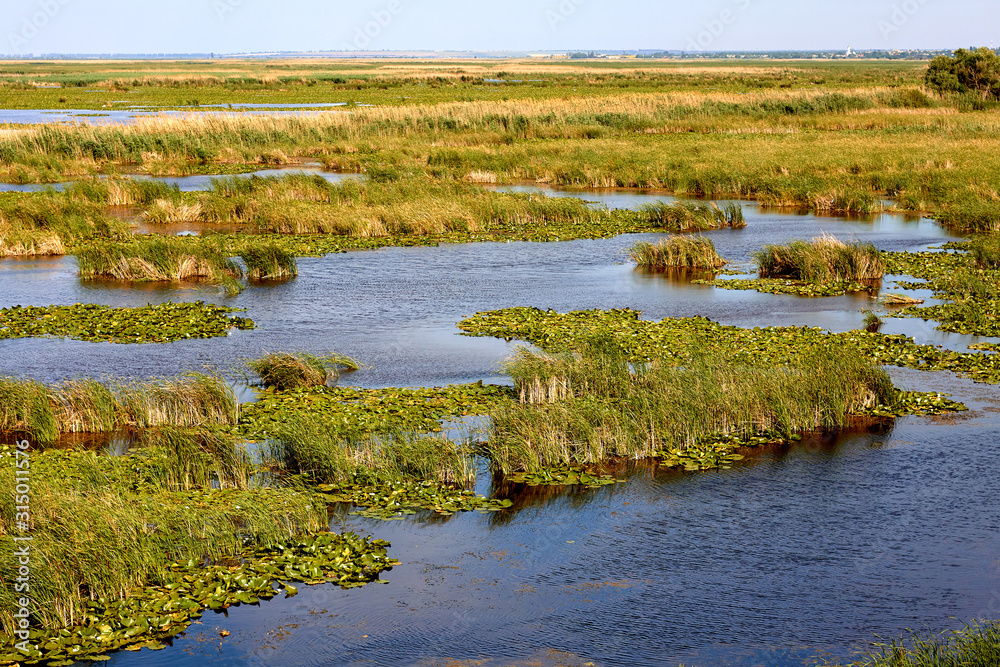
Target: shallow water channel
[794, 553]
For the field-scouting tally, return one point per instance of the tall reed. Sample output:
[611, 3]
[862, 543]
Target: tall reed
[823, 260]
[695, 252]
[606, 406]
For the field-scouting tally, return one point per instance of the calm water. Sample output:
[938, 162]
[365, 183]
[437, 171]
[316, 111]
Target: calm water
[796, 552]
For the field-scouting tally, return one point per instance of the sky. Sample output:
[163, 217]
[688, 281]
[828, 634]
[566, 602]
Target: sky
[242, 26]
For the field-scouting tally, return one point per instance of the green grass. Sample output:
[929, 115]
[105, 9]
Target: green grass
[593, 405]
[308, 446]
[690, 217]
[85, 508]
[695, 252]
[268, 262]
[821, 261]
[88, 406]
[159, 259]
[284, 371]
[976, 644]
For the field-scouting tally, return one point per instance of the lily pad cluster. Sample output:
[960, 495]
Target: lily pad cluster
[567, 476]
[355, 410]
[396, 500]
[154, 614]
[670, 338]
[784, 286]
[162, 323]
[953, 274]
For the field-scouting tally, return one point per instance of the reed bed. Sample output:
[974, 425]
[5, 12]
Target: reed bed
[694, 252]
[976, 644]
[823, 260]
[309, 446]
[47, 223]
[268, 262]
[607, 407]
[86, 513]
[284, 371]
[159, 259]
[88, 406]
[690, 217]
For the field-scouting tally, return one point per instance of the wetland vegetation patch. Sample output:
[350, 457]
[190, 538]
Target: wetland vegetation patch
[161, 323]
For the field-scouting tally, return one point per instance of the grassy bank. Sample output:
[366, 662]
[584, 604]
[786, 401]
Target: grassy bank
[976, 644]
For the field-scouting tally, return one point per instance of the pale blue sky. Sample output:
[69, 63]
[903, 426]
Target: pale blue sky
[227, 26]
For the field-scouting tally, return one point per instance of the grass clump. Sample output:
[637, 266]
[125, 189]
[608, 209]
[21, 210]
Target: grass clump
[268, 262]
[284, 371]
[976, 644]
[695, 252]
[822, 260]
[692, 217]
[607, 406]
[158, 259]
[88, 406]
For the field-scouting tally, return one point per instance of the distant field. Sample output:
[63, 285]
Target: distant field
[171, 84]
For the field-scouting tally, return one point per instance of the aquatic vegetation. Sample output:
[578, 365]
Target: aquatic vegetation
[965, 276]
[566, 476]
[797, 287]
[396, 499]
[158, 259]
[872, 321]
[615, 408]
[362, 411]
[976, 644]
[823, 260]
[47, 223]
[162, 323]
[308, 447]
[283, 371]
[43, 412]
[693, 217]
[696, 252]
[268, 262]
[645, 340]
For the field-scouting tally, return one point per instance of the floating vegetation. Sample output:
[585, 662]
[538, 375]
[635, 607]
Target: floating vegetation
[162, 323]
[89, 406]
[155, 613]
[283, 371]
[823, 260]
[797, 287]
[565, 476]
[643, 339]
[968, 278]
[398, 499]
[695, 252]
[354, 410]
